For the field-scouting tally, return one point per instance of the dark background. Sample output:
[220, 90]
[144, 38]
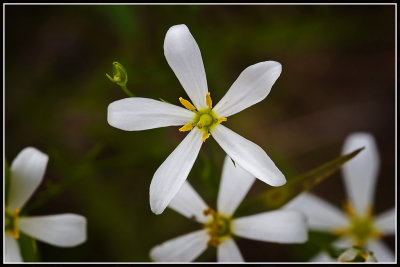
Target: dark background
[338, 77]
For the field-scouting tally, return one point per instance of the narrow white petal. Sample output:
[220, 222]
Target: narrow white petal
[252, 86]
[343, 242]
[360, 173]
[184, 57]
[322, 257]
[184, 248]
[381, 252]
[27, 172]
[320, 214]
[170, 176]
[188, 203]
[136, 113]
[386, 222]
[11, 249]
[235, 183]
[249, 156]
[63, 230]
[228, 251]
[281, 226]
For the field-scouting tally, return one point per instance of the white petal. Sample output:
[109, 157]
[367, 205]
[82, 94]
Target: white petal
[184, 248]
[381, 252]
[322, 257]
[281, 226]
[27, 172]
[170, 176]
[360, 173]
[386, 222]
[184, 57]
[11, 249]
[63, 230]
[343, 242]
[235, 183]
[320, 214]
[136, 113]
[188, 203]
[228, 251]
[252, 86]
[249, 156]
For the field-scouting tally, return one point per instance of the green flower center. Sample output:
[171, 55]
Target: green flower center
[219, 227]
[205, 120]
[11, 223]
[362, 229]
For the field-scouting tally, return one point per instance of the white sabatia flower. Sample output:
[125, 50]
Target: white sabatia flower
[356, 225]
[200, 118]
[63, 230]
[279, 226]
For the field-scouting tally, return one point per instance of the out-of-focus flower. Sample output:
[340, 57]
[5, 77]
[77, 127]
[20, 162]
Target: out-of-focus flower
[63, 230]
[200, 118]
[357, 225]
[281, 226]
[356, 254]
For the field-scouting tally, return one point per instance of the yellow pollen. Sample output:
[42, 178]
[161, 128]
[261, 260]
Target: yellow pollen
[205, 136]
[187, 104]
[222, 119]
[208, 100]
[186, 127]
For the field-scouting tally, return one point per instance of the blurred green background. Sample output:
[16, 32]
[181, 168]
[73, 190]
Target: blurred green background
[338, 77]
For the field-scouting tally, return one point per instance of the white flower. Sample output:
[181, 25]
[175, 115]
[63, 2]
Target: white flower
[356, 225]
[201, 119]
[279, 226]
[63, 230]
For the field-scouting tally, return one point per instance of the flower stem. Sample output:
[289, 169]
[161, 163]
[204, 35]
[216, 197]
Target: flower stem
[126, 90]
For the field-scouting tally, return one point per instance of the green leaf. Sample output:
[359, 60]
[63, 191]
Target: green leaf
[278, 196]
[28, 248]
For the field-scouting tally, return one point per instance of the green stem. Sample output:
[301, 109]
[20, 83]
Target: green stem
[126, 90]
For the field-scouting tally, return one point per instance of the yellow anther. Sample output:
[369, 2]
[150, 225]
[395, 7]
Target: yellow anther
[208, 100]
[340, 231]
[15, 233]
[205, 136]
[187, 104]
[186, 127]
[222, 119]
[348, 209]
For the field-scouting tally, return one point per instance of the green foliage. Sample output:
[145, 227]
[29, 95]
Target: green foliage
[28, 248]
[278, 196]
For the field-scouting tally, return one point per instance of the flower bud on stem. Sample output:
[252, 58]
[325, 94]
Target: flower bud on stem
[120, 77]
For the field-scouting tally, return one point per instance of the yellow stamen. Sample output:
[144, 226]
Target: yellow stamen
[187, 104]
[348, 209]
[186, 127]
[340, 231]
[208, 100]
[15, 230]
[222, 119]
[205, 136]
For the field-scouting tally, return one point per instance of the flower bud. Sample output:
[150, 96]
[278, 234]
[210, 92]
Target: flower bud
[356, 254]
[120, 76]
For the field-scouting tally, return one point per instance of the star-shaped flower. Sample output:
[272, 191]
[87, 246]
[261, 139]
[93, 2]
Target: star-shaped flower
[356, 225]
[63, 230]
[200, 118]
[219, 226]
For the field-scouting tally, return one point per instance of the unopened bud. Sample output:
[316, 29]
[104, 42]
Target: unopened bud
[120, 76]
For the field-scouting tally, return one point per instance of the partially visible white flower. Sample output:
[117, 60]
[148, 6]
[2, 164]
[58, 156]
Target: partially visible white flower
[200, 118]
[280, 226]
[63, 230]
[356, 225]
